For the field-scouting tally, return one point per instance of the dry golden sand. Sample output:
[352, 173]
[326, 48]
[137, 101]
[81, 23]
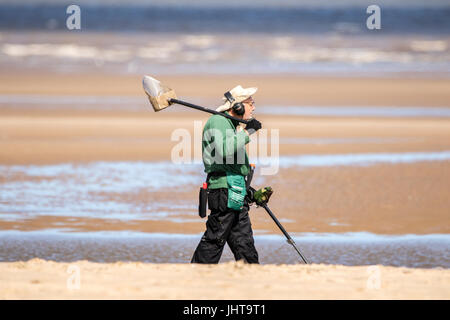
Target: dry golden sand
[39, 279]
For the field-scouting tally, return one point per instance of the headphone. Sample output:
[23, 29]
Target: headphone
[238, 107]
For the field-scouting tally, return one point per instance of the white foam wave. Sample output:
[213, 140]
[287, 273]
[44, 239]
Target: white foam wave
[347, 55]
[199, 41]
[429, 46]
[70, 51]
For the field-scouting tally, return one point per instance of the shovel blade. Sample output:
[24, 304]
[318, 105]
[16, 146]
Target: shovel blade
[158, 94]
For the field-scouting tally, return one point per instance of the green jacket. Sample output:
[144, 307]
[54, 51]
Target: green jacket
[223, 149]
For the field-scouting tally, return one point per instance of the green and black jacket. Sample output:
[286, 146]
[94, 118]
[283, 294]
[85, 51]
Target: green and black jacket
[223, 150]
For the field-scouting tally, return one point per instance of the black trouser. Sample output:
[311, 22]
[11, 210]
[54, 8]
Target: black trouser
[225, 225]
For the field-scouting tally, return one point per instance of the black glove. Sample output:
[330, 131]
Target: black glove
[253, 125]
[249, 197]
[262, 195]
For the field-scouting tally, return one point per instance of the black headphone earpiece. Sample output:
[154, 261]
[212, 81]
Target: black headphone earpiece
[238, 107]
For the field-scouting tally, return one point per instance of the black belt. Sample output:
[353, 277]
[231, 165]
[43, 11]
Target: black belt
[215, 174]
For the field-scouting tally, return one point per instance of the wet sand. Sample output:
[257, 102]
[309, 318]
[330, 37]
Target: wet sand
[349, 249]
[37, 135]
[388, 199]
[384, 199]
[39, 279]
[404, 90]
[42, 137]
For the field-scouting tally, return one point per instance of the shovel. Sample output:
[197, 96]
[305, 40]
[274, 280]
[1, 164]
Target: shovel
[161, 97]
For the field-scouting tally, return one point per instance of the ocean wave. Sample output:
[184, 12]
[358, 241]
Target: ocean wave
[429, 45]
[209, 48]
[223, 53]
[66, 50]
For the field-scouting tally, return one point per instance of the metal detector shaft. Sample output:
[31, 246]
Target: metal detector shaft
[194, 106]
[288, 237]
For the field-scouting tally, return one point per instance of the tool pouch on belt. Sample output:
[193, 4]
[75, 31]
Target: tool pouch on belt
[236, 191]
[203, 200]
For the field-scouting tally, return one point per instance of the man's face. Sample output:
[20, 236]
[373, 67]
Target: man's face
[249, 105]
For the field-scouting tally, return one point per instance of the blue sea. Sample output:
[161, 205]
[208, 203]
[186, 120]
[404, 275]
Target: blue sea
[254, 37]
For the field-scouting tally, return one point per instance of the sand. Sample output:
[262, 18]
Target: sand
[30, 138]
[40, 279]
[31, 135]
[382, 199]
[387, 199]
[272, 88]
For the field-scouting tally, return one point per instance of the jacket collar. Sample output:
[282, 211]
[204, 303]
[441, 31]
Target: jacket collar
[234, 122]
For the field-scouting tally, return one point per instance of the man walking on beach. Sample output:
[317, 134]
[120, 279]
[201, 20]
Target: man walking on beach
[226, 163]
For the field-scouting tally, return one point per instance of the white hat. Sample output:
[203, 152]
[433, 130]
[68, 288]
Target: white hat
[239, 94]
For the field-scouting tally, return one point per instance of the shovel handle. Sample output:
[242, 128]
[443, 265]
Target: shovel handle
[194, 106]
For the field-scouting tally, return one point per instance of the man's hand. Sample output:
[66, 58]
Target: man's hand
[260, 196]
[253, 125]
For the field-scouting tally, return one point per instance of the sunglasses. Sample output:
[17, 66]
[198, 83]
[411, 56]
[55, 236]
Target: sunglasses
[250, 102]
